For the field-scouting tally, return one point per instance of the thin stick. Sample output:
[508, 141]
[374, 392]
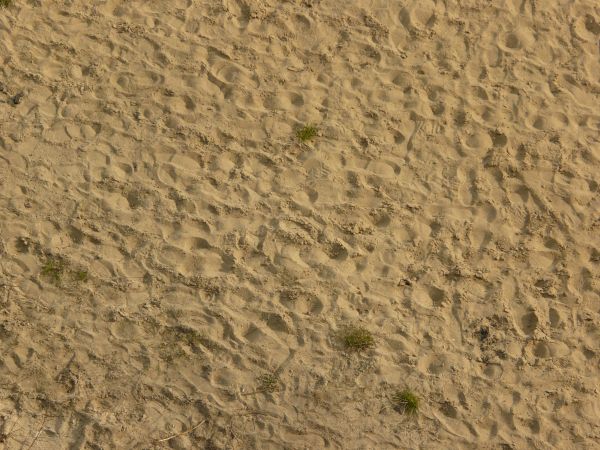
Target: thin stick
[37, 435]
[182, 433]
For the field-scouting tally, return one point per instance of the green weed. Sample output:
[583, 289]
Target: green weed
[81, 275]
[357, 338]
[406, 402]
[268, 382]
[306, 133]
[53, 268]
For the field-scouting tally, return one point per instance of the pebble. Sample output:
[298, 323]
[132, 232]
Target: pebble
[17, 98]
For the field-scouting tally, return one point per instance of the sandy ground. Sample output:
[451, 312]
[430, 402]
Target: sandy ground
[167, 241]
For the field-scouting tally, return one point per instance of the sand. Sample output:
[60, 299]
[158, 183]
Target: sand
[174, 260]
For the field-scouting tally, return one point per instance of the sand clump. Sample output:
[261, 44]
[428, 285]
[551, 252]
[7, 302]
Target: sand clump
[179, 253]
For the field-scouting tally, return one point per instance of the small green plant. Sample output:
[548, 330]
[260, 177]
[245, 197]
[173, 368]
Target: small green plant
[57, 270]
[81, 275]
[53, 268]
[406, 402]
[174, 339]
[171, 352]
[268, 382]
[5, 3]
[306, 133]
[186, 335]
[175, 313]
[357, 338]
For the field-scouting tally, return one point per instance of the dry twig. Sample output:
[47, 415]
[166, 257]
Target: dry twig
[182, 433]
[37, 435]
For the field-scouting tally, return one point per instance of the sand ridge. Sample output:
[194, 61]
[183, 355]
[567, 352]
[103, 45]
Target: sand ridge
[166, 240]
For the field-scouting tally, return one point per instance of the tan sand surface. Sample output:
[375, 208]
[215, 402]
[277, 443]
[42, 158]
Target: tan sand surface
[174, 260]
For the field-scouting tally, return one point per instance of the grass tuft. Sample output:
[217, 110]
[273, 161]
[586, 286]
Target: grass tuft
[406, 402]
[268, 383]
[357, 339]
[5, 3]
[181, 342]
[306, 133]
[53, 268]
[187, 335]
[56, 270]
[81, 275]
